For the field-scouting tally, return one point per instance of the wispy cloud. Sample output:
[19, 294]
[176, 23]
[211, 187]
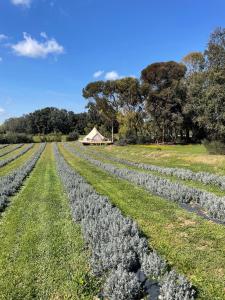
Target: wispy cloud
[30, 47]
[98, 74]
[1, 59]
[3, 37]
[26, 3]
[112, 75]
[2, 110]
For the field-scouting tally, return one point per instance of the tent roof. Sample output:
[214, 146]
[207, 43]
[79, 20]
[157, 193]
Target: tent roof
[92, 134]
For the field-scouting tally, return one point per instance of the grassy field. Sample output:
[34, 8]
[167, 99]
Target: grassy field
[42, 254]
[209, 187]
[18, 162]
[195, 247]
[192, 157]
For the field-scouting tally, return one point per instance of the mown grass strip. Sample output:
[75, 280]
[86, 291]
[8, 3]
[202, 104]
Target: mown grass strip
[195, 247]
[10, 149]
[18, 162]
[193, 157]
[42, 254]
[104, 157]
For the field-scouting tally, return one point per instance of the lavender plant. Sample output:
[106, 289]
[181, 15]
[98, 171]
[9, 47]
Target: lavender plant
[4, 146]
[184, 174]
[15, 147]
[14, 157]
[118, 252]
[214, 205]
[10, 183]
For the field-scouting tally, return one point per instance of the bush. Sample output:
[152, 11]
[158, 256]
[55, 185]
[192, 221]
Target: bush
[214, 147]
[15, 138]
[73, 136]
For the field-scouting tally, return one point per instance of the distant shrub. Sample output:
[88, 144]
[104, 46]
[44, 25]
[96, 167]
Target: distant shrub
[214, 147]
[73, 136]
[56, 137]
[15, 138]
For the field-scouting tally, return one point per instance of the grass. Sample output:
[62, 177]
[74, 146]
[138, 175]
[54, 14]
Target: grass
[194, 246]
[209, 187]
[18, 162]
[14, 152]
[193, 157]
[42, 254]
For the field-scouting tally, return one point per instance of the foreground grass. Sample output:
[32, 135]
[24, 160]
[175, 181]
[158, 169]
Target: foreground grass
[42, 254]
[195, 247]
[19, 161]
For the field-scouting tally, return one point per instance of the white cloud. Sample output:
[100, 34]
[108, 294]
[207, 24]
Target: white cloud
[44, 35]
[2, 111]
[98, 74]
[113, 75]
[21, 2]
[3, 37]
[30, 47]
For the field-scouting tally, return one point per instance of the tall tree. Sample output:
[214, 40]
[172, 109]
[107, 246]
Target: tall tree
[164, 97]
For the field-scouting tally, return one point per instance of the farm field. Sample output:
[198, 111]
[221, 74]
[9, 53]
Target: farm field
[46, 242]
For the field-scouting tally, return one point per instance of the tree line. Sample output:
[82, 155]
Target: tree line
[170, 102]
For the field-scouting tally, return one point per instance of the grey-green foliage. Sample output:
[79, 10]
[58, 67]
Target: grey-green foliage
[12, 158]
[118, 251]
[7, 151]
[122, 285]
[165, 188]
[175, 287]
[185, 174]
[10, 183]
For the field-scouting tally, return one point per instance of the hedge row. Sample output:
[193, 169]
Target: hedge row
[214, 205]
[10, 184]
[118, 252]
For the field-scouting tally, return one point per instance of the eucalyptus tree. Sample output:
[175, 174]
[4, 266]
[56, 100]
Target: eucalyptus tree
[164, 92]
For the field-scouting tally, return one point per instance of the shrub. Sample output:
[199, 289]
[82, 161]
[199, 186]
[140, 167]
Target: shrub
[214, 147]
[73, 136]
[15, 138]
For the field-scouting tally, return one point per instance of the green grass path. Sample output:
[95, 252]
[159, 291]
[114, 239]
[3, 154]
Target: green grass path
[18, 162]
[41, 251]
[194, 246]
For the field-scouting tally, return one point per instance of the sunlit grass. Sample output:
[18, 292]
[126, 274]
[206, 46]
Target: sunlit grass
[194, 246]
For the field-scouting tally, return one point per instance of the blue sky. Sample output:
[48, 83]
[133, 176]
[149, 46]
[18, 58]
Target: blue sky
[50, 49]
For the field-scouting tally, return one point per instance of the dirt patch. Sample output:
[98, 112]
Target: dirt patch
[186, 222]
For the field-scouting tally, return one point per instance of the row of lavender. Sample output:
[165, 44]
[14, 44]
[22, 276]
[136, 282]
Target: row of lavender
[10, 183]
[4, 146]
[212, 204]
[7, 151]
[119, 254]
[14, 157]
[185, 174]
